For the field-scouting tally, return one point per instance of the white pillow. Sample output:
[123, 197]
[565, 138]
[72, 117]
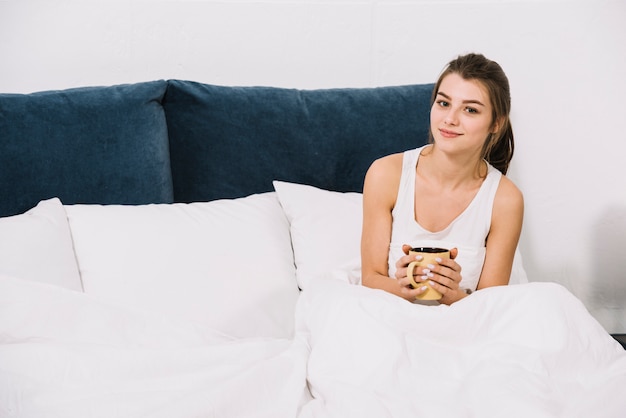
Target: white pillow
[325, 229]
[37, 246]
[326, 233]
[227, 263]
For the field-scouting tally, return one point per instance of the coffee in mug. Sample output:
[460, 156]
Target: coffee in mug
[429, 254]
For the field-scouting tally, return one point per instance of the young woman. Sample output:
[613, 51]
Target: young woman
[450, 193]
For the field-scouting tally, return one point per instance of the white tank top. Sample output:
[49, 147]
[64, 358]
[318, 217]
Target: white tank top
[468, 231]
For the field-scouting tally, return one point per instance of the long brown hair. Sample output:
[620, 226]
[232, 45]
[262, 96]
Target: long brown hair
[499, 146]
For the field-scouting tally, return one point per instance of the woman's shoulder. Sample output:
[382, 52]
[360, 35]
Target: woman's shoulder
[508, 196]
[390, 161]
[385, 168]
[384, 174]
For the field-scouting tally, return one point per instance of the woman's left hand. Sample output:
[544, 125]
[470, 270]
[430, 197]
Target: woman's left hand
[445, 277]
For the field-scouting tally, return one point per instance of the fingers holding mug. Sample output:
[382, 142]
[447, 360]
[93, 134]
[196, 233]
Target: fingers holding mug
[404, 261]
[428, 256]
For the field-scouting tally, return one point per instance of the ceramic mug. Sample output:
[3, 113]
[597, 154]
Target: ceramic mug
[429, 254]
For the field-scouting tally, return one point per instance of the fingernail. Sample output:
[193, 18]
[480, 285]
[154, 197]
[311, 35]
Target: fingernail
[423, 278]
[423, 288]
[431, 266]
[425, 271]
[419, 257]
[431, 282]
[438, 259]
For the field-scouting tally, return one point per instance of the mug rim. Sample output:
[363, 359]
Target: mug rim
[429, 250]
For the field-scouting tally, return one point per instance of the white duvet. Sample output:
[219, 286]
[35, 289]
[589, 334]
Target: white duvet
[527, 351]
[64, 354]
[519, 351]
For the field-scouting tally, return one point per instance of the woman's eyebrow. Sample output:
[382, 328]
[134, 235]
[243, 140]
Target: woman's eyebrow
[478, 102]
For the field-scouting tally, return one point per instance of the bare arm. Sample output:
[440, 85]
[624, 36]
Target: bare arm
[379, 196]
[506, 227]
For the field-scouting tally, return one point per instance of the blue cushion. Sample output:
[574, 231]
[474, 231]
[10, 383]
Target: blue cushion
[84, 145]
[228, 142]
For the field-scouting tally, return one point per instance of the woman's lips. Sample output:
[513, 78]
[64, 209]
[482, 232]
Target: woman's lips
[448, 134]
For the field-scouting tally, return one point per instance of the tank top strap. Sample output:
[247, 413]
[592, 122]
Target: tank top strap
[406, 189]
[486, 195]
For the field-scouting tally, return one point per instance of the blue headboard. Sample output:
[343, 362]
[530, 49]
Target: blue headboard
[233, 141]
[182, 141]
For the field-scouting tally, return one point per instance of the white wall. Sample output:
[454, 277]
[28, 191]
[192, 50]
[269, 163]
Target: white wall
[566, 61]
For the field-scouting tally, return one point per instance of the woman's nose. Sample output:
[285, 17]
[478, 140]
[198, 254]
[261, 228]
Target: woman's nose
[451, 117]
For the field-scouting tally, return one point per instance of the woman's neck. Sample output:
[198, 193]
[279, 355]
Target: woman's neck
[451, 171]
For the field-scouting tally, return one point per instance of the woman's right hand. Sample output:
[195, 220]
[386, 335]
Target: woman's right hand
[408, 291]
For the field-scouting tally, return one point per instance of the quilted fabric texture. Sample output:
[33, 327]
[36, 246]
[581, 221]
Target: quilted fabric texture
[228, 142]
[84, 145]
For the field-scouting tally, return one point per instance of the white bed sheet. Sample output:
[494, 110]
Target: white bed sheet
[518, 351]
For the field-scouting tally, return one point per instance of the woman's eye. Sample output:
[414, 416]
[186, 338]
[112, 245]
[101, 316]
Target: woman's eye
[471, 110]
[442, 103]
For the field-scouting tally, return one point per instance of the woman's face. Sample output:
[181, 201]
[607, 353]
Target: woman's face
[460, 117]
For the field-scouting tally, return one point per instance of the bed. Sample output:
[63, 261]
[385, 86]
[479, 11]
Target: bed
[178, 249]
